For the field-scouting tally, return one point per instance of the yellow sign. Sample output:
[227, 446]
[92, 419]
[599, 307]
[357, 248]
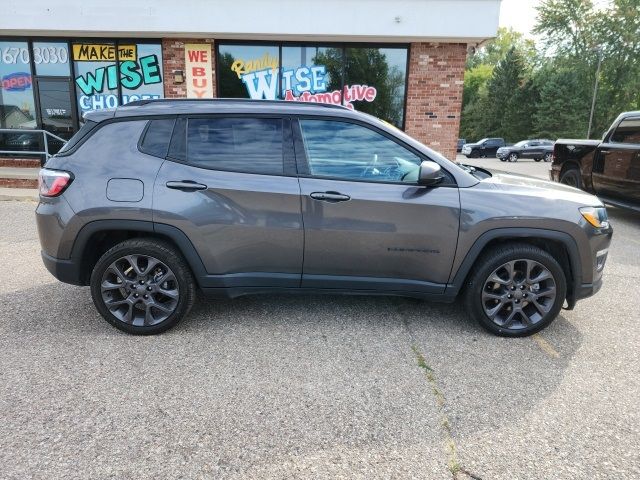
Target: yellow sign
[240, 67]
[197, 64]
[92, 52]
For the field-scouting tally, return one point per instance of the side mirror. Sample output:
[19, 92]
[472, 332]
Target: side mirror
[430, 174]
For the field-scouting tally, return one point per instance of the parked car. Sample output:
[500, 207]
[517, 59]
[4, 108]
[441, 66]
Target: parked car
[609, 168]
[487, 147]
[461, 143]
[153, 200]
[535, 149]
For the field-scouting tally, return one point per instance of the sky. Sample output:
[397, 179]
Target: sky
[521, 14]
[518, 14]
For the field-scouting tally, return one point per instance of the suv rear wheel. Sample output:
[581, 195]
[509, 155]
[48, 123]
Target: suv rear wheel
[142, 286]
[515, 291]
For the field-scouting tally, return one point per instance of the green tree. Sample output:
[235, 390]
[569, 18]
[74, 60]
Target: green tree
[503, 92]
[575, 33]
[563, 105]
[496, 49]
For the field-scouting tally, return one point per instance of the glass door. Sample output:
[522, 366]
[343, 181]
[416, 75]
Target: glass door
[56, 108]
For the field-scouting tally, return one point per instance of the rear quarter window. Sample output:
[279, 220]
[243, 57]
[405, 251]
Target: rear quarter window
[157, 136]
[80, 135]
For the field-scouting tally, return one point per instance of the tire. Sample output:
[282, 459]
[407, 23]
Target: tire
[503, 159]
[548, 157]
[537, 159]
[157, 298]
[515, 314]
[474, 154]
[513, 157]
[571, 177]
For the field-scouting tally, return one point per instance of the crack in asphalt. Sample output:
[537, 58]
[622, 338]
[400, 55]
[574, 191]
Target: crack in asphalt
[455, 468]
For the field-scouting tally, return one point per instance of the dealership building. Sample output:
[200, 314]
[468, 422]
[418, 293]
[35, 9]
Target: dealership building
[401, 60]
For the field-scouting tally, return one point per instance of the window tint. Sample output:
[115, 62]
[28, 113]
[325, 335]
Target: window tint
[353, 152]
[252, 145]
[157, 137]
[80, 134]
[627, 132]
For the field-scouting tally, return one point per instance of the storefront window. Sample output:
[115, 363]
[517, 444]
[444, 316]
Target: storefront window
[312, 73]
[102, 69]
[374, 78]
[17, 108]
[375, 81]
[142, 79]
[246, 71]
[51, 59]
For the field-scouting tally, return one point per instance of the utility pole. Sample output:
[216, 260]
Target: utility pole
[595, 90]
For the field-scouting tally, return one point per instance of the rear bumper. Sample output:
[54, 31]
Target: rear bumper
[67, 271]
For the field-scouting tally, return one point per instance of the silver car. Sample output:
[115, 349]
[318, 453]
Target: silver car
[157, 199]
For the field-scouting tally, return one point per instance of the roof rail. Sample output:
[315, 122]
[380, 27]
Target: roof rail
[139, 103]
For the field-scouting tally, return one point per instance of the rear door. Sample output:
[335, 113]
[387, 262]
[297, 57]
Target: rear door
[616, 168]
[368, 225]
[532, 149]
[229, 184]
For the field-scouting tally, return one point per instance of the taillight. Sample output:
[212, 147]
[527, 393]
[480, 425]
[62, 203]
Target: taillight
[52, 183]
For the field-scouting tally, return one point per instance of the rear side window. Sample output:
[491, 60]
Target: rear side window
[251, 145]
[157, 137]
[627, 132]
[80, 134]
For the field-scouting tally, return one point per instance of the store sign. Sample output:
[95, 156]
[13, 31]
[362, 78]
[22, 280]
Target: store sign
[145, 71]
[302, 84]
[198, 70]
[90, 52]
[16, 82]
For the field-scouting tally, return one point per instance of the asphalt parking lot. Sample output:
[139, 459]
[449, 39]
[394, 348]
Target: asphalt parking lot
[314, 387]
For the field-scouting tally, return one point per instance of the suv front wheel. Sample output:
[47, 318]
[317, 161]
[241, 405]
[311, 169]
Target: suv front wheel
[515, 290]
[142, 286]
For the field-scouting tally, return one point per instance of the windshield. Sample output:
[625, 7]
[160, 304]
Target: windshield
[521, 144]
[482, 141]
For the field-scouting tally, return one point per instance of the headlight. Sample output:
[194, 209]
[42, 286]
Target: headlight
[596, 216]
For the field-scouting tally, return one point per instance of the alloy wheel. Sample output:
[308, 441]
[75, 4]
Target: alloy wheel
[139, 290]
[518, 294]
[513, 157]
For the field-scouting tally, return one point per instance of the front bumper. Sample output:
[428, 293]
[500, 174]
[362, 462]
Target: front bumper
[502, 154]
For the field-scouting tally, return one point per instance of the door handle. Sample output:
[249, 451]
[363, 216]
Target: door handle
[186, 185]
[330, 196]
[605, 151]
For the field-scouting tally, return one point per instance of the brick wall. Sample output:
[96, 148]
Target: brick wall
[434, 96]
[173, 59]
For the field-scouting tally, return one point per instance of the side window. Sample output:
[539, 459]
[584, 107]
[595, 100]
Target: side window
[627, 132]
[352, 152]
[157, 136]
[251, 145]
[534, 144]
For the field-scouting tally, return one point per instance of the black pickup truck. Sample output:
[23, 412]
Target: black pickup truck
[609, 168]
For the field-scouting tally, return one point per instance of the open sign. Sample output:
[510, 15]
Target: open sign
[16, 82]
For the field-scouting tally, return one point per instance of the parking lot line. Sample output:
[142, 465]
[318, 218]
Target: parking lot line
[545, 346]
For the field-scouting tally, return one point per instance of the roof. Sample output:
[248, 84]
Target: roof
[179, 106]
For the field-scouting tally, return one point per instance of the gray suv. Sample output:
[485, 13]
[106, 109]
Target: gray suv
[155, 200]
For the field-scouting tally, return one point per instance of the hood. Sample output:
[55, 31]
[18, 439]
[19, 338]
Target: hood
[541, 188]
[471, 145]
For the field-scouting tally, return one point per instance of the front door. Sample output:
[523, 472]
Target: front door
[56, 109]
[368, 225]
[616, 168]
[234, 193]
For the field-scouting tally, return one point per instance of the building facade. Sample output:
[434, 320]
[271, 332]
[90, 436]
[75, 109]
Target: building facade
[400, 60]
